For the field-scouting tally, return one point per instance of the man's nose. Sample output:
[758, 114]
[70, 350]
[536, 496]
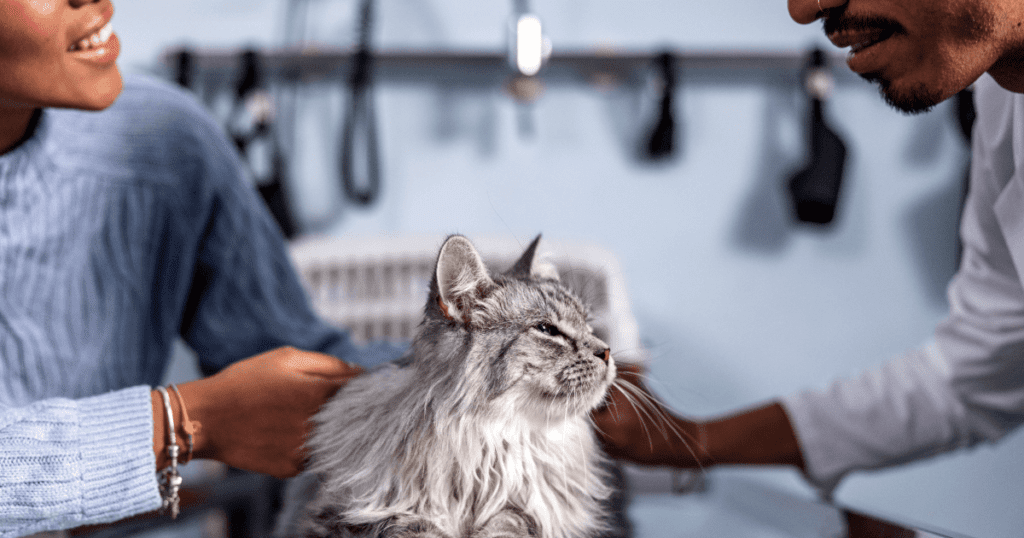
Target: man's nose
[808, 11]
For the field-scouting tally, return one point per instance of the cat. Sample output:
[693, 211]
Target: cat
[481, 429]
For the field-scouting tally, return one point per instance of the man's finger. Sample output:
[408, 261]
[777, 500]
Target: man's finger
[630, 367]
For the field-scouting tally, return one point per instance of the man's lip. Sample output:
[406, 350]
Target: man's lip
[860, 38]
[845, 30]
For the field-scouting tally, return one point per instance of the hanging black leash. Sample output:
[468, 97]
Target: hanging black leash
[361, 114]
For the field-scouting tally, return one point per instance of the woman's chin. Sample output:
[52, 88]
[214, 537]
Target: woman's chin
[104, 93]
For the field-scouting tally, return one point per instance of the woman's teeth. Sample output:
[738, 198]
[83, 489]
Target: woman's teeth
[95, 40]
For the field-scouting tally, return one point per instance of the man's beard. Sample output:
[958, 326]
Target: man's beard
[914, 100]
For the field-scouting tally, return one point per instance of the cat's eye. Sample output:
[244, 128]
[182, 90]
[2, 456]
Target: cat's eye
[548, 329]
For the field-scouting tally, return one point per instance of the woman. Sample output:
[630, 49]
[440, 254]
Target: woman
[126, 220]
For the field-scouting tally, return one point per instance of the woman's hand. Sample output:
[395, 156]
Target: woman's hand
[634, 426]
[254, 414]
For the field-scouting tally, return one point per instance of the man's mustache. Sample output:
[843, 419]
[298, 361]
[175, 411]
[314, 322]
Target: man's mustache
[837, 20]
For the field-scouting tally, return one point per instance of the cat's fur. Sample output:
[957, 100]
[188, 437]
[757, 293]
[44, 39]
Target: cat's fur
[481, 431]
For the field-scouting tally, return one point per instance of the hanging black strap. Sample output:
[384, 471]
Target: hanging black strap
[183, 72]
[272, 187]
[662, 141]
[815, 189]
[361, 114]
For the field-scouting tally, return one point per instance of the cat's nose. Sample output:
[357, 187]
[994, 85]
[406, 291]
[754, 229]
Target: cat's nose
[603, 354]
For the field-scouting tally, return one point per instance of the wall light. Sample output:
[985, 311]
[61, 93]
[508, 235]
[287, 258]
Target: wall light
[529, 47]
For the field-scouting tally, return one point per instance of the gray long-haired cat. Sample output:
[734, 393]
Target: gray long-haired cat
[482, 430]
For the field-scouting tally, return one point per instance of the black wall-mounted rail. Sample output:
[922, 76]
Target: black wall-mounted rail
[320, 64]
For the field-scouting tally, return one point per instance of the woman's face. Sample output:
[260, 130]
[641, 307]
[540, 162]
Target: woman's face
[58, 53]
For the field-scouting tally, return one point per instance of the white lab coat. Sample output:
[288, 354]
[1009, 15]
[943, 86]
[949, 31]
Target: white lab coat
[966, 385]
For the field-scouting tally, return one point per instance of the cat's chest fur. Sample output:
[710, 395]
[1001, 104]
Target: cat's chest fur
[483, 431]
[457, 472]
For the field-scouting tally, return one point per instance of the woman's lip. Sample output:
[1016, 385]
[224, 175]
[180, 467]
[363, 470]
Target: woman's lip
[95, 40]
[87, 35]
[104, 55]
[95, 25]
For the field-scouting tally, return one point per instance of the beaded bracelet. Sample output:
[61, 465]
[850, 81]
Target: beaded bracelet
[170, 479]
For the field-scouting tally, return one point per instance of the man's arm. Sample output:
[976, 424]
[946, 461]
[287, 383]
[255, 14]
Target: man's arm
[635, 427]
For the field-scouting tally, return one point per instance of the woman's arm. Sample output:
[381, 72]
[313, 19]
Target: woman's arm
[68, 463]
[254, 414]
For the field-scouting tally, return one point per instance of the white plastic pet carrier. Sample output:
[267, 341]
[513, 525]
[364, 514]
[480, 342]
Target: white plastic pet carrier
[376, 287]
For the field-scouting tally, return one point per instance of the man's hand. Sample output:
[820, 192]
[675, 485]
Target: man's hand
[635, 427]
[255, 413]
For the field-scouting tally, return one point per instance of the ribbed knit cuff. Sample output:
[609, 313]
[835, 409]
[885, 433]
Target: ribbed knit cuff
[67, 463]
[118, 465]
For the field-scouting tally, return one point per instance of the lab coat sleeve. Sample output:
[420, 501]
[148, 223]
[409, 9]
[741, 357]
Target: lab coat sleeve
[66, 463]
[966, 385]
[900, 412]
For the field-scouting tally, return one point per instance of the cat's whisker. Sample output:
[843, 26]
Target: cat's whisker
[665, 425]
[684, 437]
[629, 355]
[644, 374]
[653, 406]
[610, 404]
[634, 396]
[632, 403]
[565, 473]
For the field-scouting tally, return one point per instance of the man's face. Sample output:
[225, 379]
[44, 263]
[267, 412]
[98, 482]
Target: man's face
[921, 52]
[58, 53]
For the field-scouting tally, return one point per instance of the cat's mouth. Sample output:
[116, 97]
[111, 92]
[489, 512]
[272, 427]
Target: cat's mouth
[578, 399]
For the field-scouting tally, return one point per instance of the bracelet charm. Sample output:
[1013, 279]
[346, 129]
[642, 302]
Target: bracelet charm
[170, 479]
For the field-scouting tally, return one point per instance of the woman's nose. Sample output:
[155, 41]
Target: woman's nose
[808, 11]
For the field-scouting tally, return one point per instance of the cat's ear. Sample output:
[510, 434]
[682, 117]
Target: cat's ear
[461, 278]
[528, 265]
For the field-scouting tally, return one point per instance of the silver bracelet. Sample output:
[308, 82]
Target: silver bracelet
[170, 479]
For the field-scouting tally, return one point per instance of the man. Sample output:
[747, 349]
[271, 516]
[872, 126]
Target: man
[967, 384]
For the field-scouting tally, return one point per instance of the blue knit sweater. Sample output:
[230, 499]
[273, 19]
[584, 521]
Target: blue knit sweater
[119, 231]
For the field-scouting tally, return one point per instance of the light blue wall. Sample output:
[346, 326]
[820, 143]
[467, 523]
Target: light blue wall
[735, 303]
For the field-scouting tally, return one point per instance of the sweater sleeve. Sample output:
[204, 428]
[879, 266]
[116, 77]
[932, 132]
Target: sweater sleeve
[67, 463]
